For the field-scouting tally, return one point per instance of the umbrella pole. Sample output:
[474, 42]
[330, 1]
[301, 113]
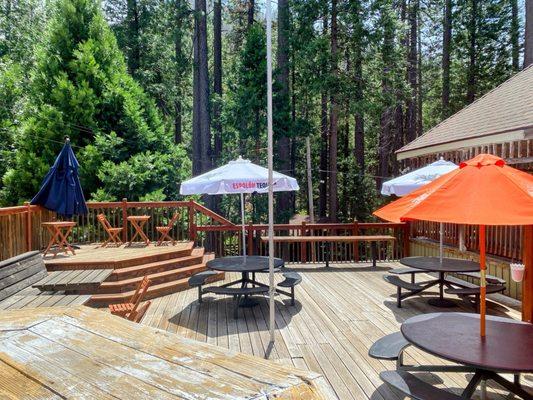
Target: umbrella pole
[483, 282]
[272, 289]
[243, 230]
[441, 242]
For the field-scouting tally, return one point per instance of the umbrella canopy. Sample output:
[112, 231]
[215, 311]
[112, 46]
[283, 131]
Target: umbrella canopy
[473, 194]
[61, 190]
[405, 184]
[483, 191]
[238, 176]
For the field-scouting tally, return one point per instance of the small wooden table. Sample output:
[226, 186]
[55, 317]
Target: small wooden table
[87, 353]
[59, 231]
[373, 239]
[138, 222]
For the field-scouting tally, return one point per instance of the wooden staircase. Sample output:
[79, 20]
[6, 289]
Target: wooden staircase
[168, 267]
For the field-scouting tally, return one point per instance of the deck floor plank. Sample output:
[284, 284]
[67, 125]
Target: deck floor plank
[339, 313]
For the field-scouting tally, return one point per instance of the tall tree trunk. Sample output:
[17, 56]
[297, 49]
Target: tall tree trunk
[446, 51]
[251, 12]
[419, 96]
[412, 63]
[324, 145]
[134, 51]
[472, 65]
[180, 69]
[217, 79]
[323, 186]
[333, 115]
[359, 126]
[388, 114]
[528, 42]
[283, 144]
[201, 120]
[515, 33]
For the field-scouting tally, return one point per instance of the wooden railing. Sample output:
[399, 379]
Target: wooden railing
[502, 241]
[20, 231]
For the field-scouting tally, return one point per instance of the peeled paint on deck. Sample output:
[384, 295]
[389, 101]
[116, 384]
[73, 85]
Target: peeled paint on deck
[96, 355]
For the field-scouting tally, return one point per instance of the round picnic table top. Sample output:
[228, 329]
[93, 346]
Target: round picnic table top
[242, 263]
[507, 347]
[434, 264]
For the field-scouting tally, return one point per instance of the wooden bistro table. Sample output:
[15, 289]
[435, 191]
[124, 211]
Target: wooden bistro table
[59, 232]
[138, 222]
[81, 352]
[506, 348]
[448, 265]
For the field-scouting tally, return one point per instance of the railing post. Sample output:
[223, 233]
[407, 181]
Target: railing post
[406, 239]
[355, 232]
[250, 238]
[303, 245]
[192, 224]
[124, 207]
[527, 283]
[28, 226]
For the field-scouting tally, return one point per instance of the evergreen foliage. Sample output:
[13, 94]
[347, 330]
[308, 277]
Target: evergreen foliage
[80, 88]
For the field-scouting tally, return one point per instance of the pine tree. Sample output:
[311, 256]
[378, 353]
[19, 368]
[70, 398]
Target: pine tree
[80, 88]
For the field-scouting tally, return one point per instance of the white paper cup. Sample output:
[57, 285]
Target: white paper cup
[517, 272]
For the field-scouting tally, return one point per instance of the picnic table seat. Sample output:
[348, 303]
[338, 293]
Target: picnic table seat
[469, 289]
[414, 388]
[389, 348]
[407, 270]
[489, 278]
[400, 284]
[291, 280]
[237, 293]
[199, 279]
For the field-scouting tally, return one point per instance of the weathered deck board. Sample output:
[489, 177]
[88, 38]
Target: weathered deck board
[339, 313]
[86, 353]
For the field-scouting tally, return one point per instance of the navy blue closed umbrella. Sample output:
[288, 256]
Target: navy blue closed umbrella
[61, 190]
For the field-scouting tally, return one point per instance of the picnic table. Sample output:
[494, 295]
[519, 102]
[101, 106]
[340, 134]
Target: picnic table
[448, 265]
[507, 347]
[327, 240]
[86, 353]
[73, 280]
[59, 232]
[138, 222]
[245, 265]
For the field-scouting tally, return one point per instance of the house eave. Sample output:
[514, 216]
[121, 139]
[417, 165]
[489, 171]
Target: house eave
[502, 137]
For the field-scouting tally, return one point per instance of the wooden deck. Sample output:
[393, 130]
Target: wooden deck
[339, 313]
[83, 353]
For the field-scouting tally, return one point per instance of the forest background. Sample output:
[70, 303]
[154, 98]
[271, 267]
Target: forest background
[152, 92]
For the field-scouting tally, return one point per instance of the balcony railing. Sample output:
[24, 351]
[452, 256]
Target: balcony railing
[20, 231]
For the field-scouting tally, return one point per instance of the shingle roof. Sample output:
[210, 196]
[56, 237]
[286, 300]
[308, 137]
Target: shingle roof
[508, 107]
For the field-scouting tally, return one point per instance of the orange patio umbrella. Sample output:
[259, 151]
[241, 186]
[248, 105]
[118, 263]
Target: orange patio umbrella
[482, 191]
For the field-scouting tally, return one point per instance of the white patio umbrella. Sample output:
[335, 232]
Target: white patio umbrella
[238, 177]
[405, 184]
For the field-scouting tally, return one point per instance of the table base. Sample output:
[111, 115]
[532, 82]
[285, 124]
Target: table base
[442, 303]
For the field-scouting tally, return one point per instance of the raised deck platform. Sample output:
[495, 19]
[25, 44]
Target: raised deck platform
[167, 266]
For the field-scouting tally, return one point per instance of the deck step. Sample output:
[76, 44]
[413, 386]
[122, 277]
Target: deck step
[126, 285]
[138, 271]
[155, 290]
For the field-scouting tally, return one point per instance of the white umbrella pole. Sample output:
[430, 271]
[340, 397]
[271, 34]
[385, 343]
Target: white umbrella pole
[270, 173]
[441, 243]
[243, 229]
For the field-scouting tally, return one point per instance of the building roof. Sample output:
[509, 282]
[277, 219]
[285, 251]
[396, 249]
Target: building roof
[503, 114]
